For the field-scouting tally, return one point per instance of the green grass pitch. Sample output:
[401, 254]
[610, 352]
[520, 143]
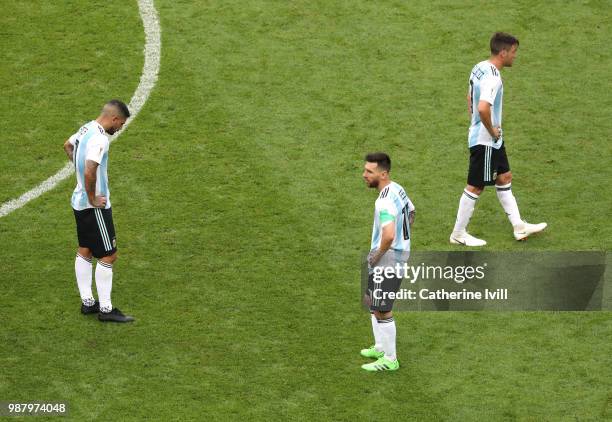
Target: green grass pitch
[241, 214]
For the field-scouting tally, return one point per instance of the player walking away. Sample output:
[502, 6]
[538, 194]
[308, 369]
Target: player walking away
[88, 149]
[488, 161]
[393, 216]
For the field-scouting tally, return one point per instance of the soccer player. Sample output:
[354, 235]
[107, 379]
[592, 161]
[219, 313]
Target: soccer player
[488, 161]
[393, 215]
[88, 150]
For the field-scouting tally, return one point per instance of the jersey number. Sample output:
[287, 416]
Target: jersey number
[74, 154]
[405, 213]
[471, 96]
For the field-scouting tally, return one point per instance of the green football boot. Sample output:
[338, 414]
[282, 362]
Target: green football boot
[372, 353]
[382, 364]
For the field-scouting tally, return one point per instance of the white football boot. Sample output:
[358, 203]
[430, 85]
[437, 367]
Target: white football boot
[466, 239]
[522, 231]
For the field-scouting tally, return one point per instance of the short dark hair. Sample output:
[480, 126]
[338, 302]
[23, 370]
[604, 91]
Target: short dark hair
[120, 105]
[502, 41]
[381, 159]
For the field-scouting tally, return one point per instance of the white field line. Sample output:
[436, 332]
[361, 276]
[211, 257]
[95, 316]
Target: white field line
[152, 55]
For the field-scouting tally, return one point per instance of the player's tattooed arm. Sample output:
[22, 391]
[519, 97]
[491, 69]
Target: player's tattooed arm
[69, 150]
[411, 217]
[91, 168]
[388, 235]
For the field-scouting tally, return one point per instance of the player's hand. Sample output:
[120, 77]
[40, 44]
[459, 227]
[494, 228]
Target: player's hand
[372, 258]
[99, 202]
[497, 133]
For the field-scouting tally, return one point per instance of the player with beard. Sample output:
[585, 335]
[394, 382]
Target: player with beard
[390, 245]
[88, 150]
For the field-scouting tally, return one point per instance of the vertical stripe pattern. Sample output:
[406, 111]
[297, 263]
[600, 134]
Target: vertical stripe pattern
[103, 231]
[487, 164]
[376, 300]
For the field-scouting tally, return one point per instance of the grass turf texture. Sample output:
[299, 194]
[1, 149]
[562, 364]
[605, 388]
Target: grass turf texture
[241, 215]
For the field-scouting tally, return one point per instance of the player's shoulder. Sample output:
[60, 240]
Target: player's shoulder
[383, 197]
[98, 144]
[99, 130]
[99, 139]
[490, 69]
[392, 191]
[99, 134]
[397, 186]
[486, 69]
[82, 131]
[397, 190]
[480, 67]
[384, 193]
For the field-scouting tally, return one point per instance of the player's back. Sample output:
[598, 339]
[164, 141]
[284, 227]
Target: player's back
[485, 84]
[90, 143]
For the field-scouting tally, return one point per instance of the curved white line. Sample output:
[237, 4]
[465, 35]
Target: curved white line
[152, 55]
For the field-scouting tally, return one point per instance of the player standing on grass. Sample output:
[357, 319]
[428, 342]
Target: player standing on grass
[488, 161]
[88, 149]
[393, 216]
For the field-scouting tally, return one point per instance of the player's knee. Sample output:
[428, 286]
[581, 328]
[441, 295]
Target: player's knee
[110, 259]
[382, 315]
[504, 178]
[84, 252]
[475, 189]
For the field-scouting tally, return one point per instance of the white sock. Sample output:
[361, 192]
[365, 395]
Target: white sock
[387, 331]
[104, 285]
[465, 211]
[377, 337]
[507, 200]
[82, 269]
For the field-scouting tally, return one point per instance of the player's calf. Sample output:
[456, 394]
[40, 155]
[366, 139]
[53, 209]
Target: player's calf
[467, 203]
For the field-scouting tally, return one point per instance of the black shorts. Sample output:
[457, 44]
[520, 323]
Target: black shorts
[486, 163]
[377, 294]
[96, 231]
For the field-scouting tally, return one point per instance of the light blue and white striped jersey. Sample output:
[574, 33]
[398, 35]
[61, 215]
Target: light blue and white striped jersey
[90, 143]
[392, 205]
[485, 85]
